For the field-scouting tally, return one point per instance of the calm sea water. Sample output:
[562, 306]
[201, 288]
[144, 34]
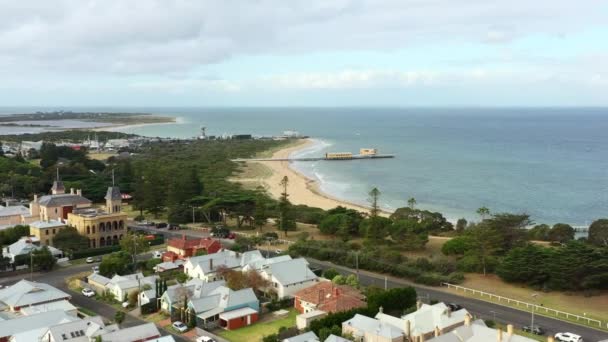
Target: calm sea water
[550, 163]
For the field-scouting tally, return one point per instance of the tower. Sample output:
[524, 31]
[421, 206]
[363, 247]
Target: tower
[113, 198]
[58, 187]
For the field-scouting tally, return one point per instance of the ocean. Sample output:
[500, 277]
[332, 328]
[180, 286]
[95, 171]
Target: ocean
[551, 163]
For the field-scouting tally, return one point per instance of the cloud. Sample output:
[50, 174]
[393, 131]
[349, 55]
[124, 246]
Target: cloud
[156, 36]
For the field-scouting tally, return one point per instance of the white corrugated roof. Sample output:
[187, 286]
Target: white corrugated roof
[237, 313]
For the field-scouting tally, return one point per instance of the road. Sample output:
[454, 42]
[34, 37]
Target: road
[57, 279]
[479, 308]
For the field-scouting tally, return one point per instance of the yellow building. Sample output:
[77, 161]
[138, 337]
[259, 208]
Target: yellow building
[103, 227]
[368, 151]
[339, 155]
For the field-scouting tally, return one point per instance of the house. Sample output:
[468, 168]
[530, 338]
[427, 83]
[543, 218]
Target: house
[147, 296]
[334, 338]
[63, 305]
[303, 320]
[184, 248]
[194, 288]
[305, 337]
[29, 328]
[12, 215]
[206, 266]
[138, 333]
[45, 231]
[328, 297]
[28, 293]
[427, 320]
[288, 277]
[97, 282]
[477, 331]
[259, 263]
[25, 245]
[367, 329]
[226, 308]
[169, 266]
[83, 330]
[121, 286]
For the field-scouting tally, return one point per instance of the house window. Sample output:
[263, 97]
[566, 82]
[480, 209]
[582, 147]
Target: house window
[53, 230]
[47, 232]
[55, 210]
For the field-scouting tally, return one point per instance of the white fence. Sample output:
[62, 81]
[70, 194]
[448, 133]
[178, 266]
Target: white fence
[535, 307]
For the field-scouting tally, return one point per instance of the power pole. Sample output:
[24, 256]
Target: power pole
[357, 264]
[31, 266]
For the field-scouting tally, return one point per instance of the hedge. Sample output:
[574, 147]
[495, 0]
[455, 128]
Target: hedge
[95, 252]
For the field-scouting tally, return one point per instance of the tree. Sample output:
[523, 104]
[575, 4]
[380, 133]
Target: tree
[461, 225]
[374, 196]
[119, 317]
[528, 264]
[286, 219]
[561, 232]
[260, 217]
[115, 263]
[392, 301]
[43, 259]
[69, 240]
[598, 232]
[410, 234]
[134, 244]
[486, 242]
[374, 230]
[411, 202]
[330, 273]
[483, 212]
[539, 232]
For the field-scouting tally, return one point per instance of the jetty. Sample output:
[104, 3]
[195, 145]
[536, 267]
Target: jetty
[364, 153]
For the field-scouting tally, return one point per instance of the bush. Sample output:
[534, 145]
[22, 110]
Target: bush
[119, 317]
[330, 273]
[95, 252]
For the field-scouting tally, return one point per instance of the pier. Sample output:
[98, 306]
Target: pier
[353, 157]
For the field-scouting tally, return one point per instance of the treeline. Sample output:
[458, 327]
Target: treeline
[72, 136]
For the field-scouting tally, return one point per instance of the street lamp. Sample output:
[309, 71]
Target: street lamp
[534, 295]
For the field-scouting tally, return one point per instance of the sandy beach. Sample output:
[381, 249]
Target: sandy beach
[301, 189]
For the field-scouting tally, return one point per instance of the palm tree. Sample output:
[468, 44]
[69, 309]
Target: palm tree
[411, 203]
[483, 212]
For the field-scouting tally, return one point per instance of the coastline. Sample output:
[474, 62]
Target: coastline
[301, 189]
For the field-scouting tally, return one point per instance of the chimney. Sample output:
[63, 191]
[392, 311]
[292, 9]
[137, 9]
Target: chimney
[421, 339]
[437, 332]
[79, 192]
[336, 291]
[210, 263]
[467, 320]
[510, 329]
[418, 305]
[448, 312]
[35, 197]
[408, 328]
[499, 335]
[550, 339]
[71, 191]
[380, 310]
[321, 294]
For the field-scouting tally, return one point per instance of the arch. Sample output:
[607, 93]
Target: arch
[121, 224]
[115, 225]
[92, 243]
[102, 227]
[115, 240]
[120, 237]
[93, 227]
[109, 226]
[102, 242]
[88, 231]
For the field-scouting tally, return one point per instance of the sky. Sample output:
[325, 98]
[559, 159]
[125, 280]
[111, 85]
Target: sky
[304, 53]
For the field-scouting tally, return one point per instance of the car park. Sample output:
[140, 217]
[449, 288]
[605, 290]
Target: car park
[568, 337]
[536, 330]
[179, 326]
[88, 292]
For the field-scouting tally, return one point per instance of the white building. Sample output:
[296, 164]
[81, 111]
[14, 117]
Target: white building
[288, 277]
[121, 286]
[27, 244]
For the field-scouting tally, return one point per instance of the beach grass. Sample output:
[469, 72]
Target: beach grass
[261, 328]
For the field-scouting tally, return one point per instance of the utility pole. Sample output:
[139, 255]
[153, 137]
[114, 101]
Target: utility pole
[534, 295]
[385, 283]
[193, 218]
[31, 266]
[357, 263]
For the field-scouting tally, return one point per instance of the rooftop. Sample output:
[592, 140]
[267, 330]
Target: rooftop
[305, 337]
[290, 271]
[26, 293]
[42, 321]
[183, 243]
[47, 224]
[13, 210]
[60, 200]
[373, 326]
[477, 332]
[329, 297]
[142, 332]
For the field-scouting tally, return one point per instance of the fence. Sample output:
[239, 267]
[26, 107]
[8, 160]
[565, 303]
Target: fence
[281, 241]
[537, 308]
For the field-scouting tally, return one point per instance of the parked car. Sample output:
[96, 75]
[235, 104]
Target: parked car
[95, 269]
[179, 326]
[220, 232]
[125, 304]
[454, 306]
[533, 329]
[98, 259]
[158, 254]
[568, 337]
[204, 339]
[90, 260]
[232, 236]
[88, 292]
[173, 226]
[278, 251]
[161, 225]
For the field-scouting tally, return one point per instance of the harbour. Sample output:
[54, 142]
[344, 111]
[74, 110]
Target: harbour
[364, 153]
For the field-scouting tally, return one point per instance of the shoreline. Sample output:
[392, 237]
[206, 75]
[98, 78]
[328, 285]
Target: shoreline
[302, 189]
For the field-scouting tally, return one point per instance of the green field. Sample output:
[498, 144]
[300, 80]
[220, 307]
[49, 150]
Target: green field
[258, 330]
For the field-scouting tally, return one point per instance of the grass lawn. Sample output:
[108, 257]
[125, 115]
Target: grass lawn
[575, 303]
[258, 330]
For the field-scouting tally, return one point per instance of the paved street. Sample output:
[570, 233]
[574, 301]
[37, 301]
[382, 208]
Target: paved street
[479, 308]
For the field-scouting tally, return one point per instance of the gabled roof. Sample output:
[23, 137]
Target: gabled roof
[62, 200]
[130, 281]
[425, 319]
[290, 271]
[196, 287]
[373, 326]
[53, 306]
[334, 338]
[329, 297]
[76, 331]
[477, 332]
[258, 264]
[98, 278]
[137, 333]
[34, 323]
[113, 193]
[222, 298]
[24, 245]
[183, 243]
[14, 210]
[26, 293]
[305, 337]
[228, 259]
[251, 256]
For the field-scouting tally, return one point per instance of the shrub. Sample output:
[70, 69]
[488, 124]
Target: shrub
[330, 273]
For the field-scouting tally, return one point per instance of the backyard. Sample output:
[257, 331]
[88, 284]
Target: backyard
[266, 326]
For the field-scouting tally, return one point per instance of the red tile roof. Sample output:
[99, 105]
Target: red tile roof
[329, 297]
[184, 244]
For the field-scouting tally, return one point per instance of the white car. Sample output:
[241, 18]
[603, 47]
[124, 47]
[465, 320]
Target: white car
[125, 304]
[158, 254]
[90, 260]
[88, 292]
[204, 339]
[179, 326]
[95, 269]
[568, 337]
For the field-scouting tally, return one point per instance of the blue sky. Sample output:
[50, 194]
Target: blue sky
[304, 53]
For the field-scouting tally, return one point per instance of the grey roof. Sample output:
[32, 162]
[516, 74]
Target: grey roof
[29, 293]
[221, 298]
[58, 305]
[373, 326]
[334, 338]
[47, 224]
[291, 271]
[76, 331]
[113, 193]
[24, 245]
[425, 319]
[14, 210]
[42, 321]
[136, 333]
[477, 332]
[62, 200]
[98, 278]
[251, 256]
[305, 337]
[226, 259]
[259, 263]
[196, 287]
[130, 281]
